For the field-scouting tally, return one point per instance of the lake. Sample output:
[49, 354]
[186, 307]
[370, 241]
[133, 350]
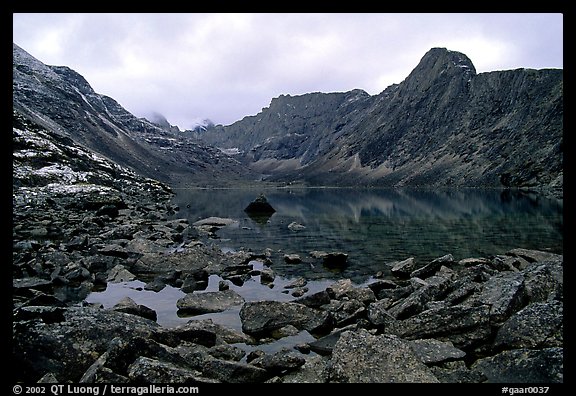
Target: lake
[373, 226]
[377, 226]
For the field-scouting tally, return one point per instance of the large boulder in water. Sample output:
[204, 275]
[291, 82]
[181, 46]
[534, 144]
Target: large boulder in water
[260, 206]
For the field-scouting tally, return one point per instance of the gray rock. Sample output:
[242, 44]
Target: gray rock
[208, 333]
[127, 305]
[504, 293]
[431, 289]
[544, 280]
[69, 347]
[267, 276]
[456, 372]
[151, 371]
[538, 325]
[523, 366]
[227, 352]
[432, 267]
[402, 268]
[296, 226]
[261, 317]
[431, 351]
[313, 371]
[279, 362]
[462, 325]
[215, 221]
[234, 372]
[359, 356]
[48, 378]
[315, 300]
[324, 345]
[378, 314]
[534, 255]
[200, 303]
[120, 274]
[344, 289]
[292, 258]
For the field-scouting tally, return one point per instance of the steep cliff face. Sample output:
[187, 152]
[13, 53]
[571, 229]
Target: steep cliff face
[61, 100]
[444, 125]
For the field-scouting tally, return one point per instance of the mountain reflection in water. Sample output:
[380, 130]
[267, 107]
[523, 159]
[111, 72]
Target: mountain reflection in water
[377, 226]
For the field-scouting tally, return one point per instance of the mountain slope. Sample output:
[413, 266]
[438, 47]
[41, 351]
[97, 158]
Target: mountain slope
[444, 125]
[61, 100]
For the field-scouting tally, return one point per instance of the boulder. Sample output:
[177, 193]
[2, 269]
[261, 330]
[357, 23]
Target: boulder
[207, 302]
[129, 306]
[260, 206]
[262, 317]
[359, 356]
[523, 366]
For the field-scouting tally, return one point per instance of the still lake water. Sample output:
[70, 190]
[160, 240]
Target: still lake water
[373, 226]
[377, 226]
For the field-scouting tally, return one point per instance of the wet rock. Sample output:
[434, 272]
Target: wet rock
[361, 357]
[208, 333]
[129, 306]
[344, 289]
[523, 366]
[432, 267]
[315, 300]
[260, 206]
[197, 280]
[267, 276]
[155, 285]
[120, 274]
[207, 302]
[296, 226]
[292, 258]
[324, 345]
[262, 317]
[215, 222]
[534, 255]
[402, 268]
[337, 260]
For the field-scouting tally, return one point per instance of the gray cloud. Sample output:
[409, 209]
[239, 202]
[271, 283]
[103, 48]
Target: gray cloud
[226, 66]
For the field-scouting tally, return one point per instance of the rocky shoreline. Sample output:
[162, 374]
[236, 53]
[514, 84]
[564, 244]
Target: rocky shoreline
[81, 222]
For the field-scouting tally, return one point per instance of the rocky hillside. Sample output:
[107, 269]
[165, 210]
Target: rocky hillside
[62, 101]
[444, 125]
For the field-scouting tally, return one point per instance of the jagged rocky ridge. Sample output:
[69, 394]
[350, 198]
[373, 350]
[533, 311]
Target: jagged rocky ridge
[61, 100]
[444, 125]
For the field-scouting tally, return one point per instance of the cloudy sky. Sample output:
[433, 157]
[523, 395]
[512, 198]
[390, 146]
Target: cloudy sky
[225, 66]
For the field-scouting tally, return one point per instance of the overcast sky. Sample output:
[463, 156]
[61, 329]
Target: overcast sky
[226, 66]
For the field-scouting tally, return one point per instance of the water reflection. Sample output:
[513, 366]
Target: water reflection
[376, 226]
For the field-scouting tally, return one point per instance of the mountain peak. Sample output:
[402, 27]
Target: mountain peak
[440, 65]
[444, 59]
